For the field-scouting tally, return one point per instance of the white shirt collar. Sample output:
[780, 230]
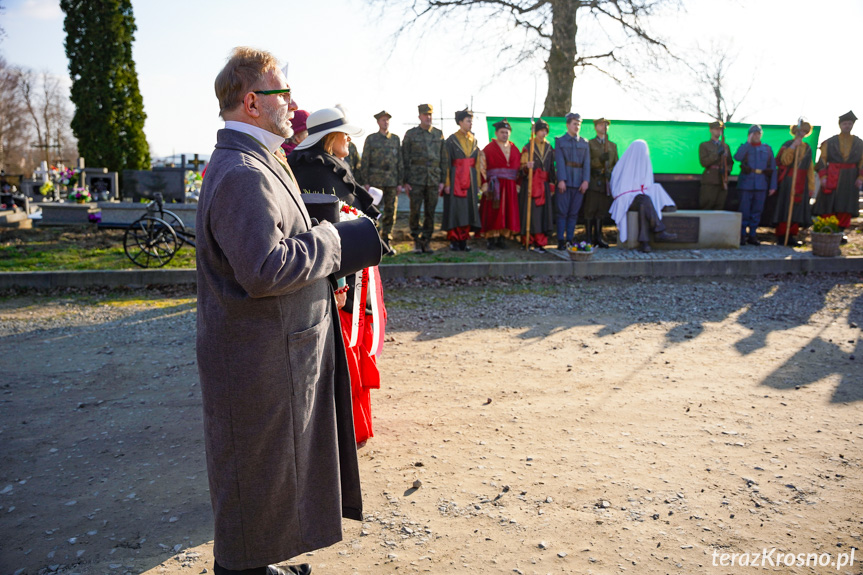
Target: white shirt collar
[270, 140]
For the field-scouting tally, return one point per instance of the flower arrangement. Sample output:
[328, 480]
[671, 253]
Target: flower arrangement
[47, 188]
[68, 177]
[581, 247]
[80, 195]
[825, 225]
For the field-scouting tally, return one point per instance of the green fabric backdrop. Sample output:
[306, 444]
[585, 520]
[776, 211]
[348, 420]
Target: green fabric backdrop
[673, 145]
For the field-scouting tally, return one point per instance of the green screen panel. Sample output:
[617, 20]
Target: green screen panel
[673, 145]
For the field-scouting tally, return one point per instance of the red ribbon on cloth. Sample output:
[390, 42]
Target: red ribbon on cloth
[461, 181]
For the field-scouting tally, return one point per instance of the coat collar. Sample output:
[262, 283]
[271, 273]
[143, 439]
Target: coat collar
[244, 143]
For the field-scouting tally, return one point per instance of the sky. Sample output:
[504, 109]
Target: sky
[800, 57]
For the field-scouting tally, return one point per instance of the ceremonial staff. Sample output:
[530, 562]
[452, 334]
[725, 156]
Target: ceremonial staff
[724, 174]
[793, 180]
[529, 185]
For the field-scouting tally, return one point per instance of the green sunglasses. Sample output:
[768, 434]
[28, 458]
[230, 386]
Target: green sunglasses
[286, 91]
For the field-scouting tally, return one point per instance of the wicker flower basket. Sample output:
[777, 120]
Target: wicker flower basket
[580, 256]
[826, 245]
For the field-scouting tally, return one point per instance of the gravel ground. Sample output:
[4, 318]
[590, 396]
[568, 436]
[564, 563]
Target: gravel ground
[537, 450]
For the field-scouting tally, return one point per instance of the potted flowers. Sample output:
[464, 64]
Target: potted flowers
[826, 237]
[580, 252]
[80, 195]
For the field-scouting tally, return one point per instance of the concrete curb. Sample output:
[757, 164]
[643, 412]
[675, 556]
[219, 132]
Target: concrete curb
[626, 268]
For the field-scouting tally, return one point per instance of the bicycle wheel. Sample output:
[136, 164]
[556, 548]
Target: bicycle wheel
[150, 242]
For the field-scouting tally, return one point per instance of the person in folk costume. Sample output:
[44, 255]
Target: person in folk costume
[757, 179]
[572, 167]
[319, 165]
[464, 163]
[542, 190]
[713, 154]
[499, 205]
[800, 215]
[633, 189]
[597, 200]
[840, 168]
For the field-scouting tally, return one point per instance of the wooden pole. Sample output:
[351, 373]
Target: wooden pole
[793, 191]
[529, 188]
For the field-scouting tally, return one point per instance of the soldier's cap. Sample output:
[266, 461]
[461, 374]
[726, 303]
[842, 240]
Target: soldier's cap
[501, 125]
[540, 125]
[383, 114]
[755, 128]
[462, 114]
[573, 116]
[326, 121]
[599, 121]
[849, 116]
[426, 109]
[717, 124]
[806, 126]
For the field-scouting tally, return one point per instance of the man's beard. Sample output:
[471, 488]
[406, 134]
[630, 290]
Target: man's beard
[280, 122]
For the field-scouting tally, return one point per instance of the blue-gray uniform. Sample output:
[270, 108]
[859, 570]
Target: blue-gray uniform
[757, 176]
[572, 164]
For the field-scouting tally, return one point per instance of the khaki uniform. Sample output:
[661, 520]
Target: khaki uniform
[713, 193]
[423, 159]
[603, 158]
[382, 168]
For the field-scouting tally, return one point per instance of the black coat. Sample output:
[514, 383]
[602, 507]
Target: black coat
[318, 171]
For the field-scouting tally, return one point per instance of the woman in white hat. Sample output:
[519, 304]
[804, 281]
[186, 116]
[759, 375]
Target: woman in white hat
[318, 162]
[319, 166]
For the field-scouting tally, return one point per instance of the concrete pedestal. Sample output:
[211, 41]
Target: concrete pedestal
[128, 212]
[65, 214]
[716, 229]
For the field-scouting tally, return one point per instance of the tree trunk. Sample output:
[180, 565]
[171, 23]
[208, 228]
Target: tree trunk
[560, 66]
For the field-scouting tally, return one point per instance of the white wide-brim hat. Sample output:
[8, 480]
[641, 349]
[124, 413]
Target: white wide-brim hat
[326, 121]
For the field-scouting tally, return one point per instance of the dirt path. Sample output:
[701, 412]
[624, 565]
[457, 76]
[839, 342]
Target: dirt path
[599, 427]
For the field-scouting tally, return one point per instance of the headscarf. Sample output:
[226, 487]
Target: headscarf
[634, 169]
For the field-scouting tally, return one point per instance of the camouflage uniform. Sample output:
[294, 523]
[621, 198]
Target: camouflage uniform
[423, 158]
[382, 168]
[354, 162]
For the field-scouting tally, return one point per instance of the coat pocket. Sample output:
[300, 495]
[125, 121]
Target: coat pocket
[307, 353]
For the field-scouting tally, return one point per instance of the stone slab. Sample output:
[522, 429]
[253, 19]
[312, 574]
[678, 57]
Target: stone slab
[65, 214]
[717, 229]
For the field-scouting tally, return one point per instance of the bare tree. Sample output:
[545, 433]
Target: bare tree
[47, 105]
[568, 35]
[716, 92]
[15, 132]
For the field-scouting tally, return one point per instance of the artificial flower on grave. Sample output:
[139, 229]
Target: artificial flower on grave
[825, 225]
[47, 188]
[80, 194]
[68, 177]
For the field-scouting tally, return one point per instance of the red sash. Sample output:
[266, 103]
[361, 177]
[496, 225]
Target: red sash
[537, 192]
[832, 174]
[461, 181]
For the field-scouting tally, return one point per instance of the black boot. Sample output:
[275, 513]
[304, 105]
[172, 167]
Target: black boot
[454, 246]
[418, 246]
[463, 246]
[501, 242]
[561, 245]
[588, 232]
[490, 244]
[600, 242]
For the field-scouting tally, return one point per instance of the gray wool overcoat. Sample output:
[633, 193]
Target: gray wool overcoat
[281, 454]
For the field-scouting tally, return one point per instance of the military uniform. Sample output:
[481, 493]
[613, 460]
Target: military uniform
[713, 192]
[382, 168]
[354, 162]
[423, 159]
[572, 165]
[757, 176]
[597, 200]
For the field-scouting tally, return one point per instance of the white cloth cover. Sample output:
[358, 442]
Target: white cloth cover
[633, 175]
[377, 194]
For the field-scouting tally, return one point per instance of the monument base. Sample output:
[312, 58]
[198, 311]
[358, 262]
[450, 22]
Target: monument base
[696, 229]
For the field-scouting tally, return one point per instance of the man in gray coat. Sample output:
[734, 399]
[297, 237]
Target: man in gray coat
[281, 456]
